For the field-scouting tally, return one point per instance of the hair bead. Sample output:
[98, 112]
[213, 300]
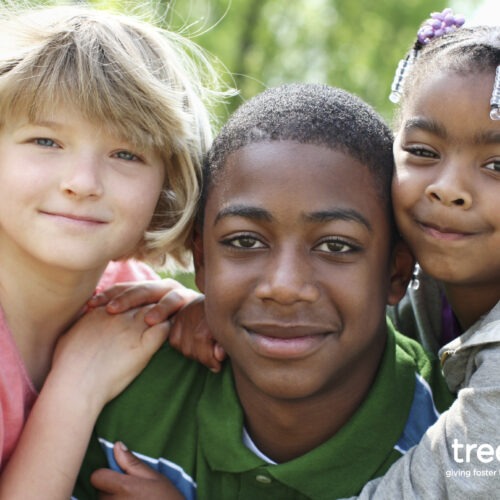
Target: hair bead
[495, 97]
[437, 25]
[401, 71]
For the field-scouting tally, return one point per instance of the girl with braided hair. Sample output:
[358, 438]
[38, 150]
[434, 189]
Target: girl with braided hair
[446, 200]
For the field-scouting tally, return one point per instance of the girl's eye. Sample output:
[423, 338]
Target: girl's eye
[127, 156]
[493, 166]
[243, 242]
[336, 246]
[45, 142]
[420, 151]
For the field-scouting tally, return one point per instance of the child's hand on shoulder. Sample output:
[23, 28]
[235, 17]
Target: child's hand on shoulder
[138, 480]
[167, 297]
[189, 333]
[102, 353]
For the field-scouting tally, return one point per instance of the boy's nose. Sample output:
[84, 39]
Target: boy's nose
[288, 279]
[450, 189]
[82, 179]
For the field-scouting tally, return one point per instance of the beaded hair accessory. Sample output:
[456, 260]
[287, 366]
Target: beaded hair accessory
[495, 97]
[437, 25]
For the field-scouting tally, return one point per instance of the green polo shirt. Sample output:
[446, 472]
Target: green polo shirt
[187, 423]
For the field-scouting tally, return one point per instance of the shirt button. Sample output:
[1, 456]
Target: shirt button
[263, 479]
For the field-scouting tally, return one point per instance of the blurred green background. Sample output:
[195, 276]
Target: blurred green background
[355, 45]
[351, 44]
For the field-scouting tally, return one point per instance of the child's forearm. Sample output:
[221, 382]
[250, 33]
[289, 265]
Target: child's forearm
[93, 363]
[48, 456]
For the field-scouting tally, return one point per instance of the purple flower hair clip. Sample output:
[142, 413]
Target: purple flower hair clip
[437, 25]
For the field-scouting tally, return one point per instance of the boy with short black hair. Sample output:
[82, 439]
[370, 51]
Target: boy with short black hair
[297, 255]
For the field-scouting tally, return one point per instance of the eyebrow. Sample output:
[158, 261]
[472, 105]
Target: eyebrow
[334, 214]
[45, 123]
[249, 212]
[426, 125]
[488, 137]
[433, 127]
[260, 214]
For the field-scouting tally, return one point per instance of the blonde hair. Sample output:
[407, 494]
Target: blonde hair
[142, 83]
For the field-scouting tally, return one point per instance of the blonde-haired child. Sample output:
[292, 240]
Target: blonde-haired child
[103, 125]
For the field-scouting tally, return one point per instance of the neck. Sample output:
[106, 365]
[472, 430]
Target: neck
[469, 303]
[39, 305]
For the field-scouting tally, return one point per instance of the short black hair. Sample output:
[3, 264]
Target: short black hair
[308, 114]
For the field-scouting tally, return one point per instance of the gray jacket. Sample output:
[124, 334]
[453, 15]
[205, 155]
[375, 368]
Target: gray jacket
[459, 456]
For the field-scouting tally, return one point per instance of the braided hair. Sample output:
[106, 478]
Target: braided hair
[443, 43]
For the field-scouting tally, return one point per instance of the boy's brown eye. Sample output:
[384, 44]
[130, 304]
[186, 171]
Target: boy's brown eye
[336, 246]
[244, 242]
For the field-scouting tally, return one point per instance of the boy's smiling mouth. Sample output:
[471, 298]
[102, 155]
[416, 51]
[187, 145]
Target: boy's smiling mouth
[285, 341]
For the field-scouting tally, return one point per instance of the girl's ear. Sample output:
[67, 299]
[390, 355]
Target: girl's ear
[401, 271]
[199, 263]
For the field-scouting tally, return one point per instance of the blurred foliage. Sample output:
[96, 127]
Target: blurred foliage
[186, 278]
[353, 45]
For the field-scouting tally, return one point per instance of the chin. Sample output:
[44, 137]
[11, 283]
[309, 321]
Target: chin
[291, 389]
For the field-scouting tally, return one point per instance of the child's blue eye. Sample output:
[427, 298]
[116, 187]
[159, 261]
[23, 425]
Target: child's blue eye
[45, 142]
[127, 155]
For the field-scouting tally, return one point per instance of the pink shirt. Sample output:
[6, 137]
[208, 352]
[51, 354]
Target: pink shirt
[17, 393]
